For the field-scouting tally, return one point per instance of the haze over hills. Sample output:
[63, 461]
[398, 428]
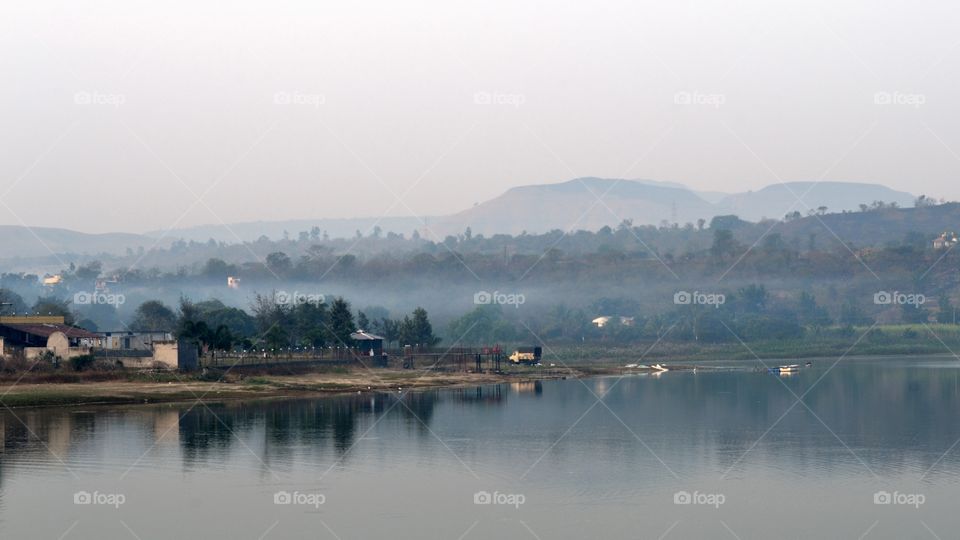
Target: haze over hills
[29, 242]
[777, 200]
[583, 203]
[574, 205]
[566, 205]
[334, 228]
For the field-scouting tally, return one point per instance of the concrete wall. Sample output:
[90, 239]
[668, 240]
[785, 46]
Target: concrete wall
[59, 344]
[136, 362]
[133, 340]
[166, 354]
[31, 353]
[188, 355]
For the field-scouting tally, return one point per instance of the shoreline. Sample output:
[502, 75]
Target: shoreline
[239, 386]
[127, 388]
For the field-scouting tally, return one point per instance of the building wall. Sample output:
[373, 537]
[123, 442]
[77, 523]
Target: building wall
[133, 340]
[137, 362]
[31, 353]
[188, 356]
[165, 353]
[59, 343]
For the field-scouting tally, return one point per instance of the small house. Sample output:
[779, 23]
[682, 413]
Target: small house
[369, 344]
[126, 339]
[945, 241]
[600, 322]
[35, 334]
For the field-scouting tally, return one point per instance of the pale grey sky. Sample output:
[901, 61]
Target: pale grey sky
[118, 116]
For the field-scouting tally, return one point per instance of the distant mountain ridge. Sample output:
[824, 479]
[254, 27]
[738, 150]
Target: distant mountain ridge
[777, 200]
[581, 203]
[568, 205]
[574, 204]
[19, 241]
[335, 227]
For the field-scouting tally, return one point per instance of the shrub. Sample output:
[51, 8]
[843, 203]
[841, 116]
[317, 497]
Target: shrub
[79, 363]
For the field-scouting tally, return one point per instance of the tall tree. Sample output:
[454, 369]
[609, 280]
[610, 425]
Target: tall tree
[190, 325]
[390, 329]
[53, 306]
[417, 330]
[341, 323]
[946, 314]
[278, 262]
[152, 315]
[723, 244]
[753, 298]
[11, 302]
[271, 310]
[362, 322]
[309, 324]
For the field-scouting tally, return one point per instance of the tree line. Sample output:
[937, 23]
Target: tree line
[276, 324]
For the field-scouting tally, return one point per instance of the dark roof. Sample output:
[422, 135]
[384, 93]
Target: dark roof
[45, 330]
[360, 335]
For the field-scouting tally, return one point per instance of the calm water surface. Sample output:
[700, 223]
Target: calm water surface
[565, 465]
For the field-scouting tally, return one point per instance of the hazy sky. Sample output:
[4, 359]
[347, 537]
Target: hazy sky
[136, 116]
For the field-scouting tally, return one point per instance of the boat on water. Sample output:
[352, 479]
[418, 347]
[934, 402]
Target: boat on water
[659, 367]
[789, 369]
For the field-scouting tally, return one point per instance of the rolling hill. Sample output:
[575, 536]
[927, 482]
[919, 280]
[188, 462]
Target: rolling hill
[582, 203]
[335, 228]
[568, 205]
[21, 241]
[574, 205]
[777, 200]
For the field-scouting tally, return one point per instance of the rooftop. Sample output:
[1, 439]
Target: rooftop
[360, 335]
[47, 329]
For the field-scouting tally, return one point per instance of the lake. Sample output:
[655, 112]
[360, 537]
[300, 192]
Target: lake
[871, 451]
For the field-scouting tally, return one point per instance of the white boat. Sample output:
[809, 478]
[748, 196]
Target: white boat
[658, 367]
[790, 368]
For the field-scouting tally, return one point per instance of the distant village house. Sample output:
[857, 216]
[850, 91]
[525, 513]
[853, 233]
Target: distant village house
[36, 336]
[945, 241]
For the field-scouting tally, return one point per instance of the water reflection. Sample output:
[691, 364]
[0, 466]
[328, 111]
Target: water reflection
[891, 413]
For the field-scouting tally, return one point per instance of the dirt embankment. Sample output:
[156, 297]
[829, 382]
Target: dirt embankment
[37, 390]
